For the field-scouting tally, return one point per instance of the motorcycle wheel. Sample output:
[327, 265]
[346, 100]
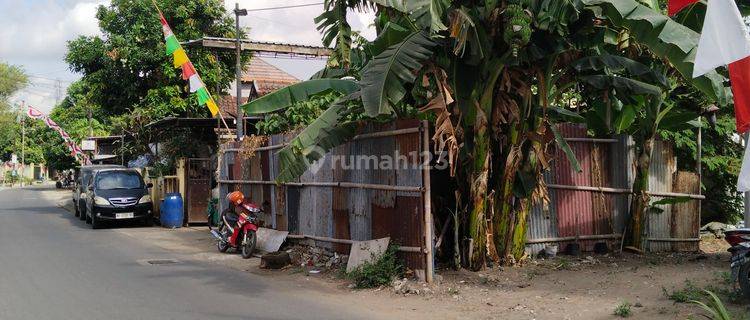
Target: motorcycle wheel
[222, 245]
[248, 244]
[744, 279]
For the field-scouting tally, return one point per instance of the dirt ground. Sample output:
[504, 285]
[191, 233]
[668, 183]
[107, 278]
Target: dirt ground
[584, 287]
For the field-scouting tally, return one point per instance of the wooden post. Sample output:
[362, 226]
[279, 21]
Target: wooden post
[181, 171]
[429, 259]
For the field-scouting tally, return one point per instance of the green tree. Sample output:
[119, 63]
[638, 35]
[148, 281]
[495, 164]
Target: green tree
[129, 81]
[12, 79]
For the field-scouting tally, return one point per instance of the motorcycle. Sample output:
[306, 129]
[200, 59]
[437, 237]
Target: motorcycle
[237, 226]
[739, 239]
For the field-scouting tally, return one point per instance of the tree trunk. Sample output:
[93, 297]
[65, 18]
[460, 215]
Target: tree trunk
[478, 190]
[640, 200]
[505, 222]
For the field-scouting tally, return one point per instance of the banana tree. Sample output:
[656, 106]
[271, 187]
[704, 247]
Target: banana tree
[495, 75]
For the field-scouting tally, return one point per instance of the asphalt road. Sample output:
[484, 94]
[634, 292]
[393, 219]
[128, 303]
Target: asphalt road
[52, 266]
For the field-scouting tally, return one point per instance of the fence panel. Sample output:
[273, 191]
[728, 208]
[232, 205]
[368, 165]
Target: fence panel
[368, 188]
[592, 206]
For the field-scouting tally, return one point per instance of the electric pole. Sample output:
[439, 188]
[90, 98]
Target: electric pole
[237, 13]
[58, 91]
[23, 142]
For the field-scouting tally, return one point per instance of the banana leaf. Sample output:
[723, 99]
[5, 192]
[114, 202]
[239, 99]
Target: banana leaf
[384, 77]
[621, 84]
[562, 144]
[427, 13]
[619, 64]
[285, 97]
[665, 38]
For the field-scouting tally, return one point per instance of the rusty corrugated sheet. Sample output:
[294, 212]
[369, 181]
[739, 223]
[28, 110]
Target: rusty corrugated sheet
[542, 221]
[622, 174]
[409, 228]
[382, 201]
[360, 214]
[574, 208]
[340, 199]
[685, 216]
[663, 165]
[344, 213]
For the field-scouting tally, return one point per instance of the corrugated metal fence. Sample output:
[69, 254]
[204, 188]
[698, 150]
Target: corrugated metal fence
[592, 206]
[369, 188]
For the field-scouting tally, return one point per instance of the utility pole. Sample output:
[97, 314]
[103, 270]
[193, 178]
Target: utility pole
[58, 91]
[237, 13]
[23, 142]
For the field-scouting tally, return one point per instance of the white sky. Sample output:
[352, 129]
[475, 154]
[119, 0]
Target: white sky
[35, 33]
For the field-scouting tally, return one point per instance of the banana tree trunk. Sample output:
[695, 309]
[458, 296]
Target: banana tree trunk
[505, 221]
[640, 200]
[478, 192]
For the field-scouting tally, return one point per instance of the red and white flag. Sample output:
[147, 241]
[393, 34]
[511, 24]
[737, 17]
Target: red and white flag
[724, 38]
[34, 113]
[725, 41]
[675, 6]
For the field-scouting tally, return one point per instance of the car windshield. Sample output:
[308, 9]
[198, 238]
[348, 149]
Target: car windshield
[118, 180]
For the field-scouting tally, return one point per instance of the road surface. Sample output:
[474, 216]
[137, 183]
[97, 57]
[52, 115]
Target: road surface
[52, 266]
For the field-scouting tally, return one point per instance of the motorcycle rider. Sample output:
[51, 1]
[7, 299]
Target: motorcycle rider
[231, 213]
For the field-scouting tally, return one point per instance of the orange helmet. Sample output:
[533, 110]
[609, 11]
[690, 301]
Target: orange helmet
[235, 197]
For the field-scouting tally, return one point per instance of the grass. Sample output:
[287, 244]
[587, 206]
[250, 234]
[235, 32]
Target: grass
[564, 264]
[378, 273]
[623, 310]
[689, 293]
[693, 292]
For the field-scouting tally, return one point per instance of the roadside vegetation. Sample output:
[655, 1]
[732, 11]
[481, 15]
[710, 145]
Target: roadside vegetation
[380, 272]
[623, 310]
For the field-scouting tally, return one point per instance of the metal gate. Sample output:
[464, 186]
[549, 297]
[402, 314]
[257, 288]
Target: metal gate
[198, 189]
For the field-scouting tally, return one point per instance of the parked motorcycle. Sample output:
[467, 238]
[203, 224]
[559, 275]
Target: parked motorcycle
[237, 226]
[739, 239]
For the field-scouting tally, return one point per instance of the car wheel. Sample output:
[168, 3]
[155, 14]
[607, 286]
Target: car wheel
[82, 214]
[95, 223]
[148, 221]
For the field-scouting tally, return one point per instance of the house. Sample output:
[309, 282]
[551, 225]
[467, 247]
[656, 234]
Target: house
[107, 150]
[260, 78]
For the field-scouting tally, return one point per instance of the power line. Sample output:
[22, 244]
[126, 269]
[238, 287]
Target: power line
[46, 78]
[286, 7]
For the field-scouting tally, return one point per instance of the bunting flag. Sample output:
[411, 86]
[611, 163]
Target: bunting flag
[181, 60]
[675, 6]
[75, 151]
[34, 113]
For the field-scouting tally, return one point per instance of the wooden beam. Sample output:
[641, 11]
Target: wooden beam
[259, 46]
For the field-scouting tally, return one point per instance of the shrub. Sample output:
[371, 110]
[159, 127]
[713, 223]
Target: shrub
[623, 310]
[687, 294]
[378, 273]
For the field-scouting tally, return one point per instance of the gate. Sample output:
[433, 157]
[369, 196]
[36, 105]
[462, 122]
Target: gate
[198, 189]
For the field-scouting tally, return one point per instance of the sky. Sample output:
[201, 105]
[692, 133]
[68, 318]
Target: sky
[35, 33]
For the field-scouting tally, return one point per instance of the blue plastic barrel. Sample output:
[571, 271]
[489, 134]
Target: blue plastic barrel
[171, 211]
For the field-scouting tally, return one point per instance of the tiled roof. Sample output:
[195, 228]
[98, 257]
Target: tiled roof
[266, 78]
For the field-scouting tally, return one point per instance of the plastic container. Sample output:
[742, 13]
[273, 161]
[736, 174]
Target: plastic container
[172, 211]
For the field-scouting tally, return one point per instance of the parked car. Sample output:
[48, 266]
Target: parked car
[82, 179]
[117, 195]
